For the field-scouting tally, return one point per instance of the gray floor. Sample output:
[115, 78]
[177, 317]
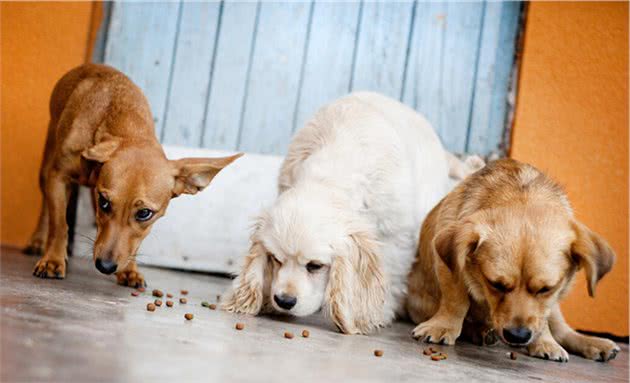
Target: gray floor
[86, 328]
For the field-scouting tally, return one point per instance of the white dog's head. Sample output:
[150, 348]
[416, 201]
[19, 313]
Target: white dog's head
[306, 254]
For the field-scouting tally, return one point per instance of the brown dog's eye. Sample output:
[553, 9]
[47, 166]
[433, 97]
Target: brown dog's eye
[104, 204]
[312, 267]
[144, 215]
[499, 286]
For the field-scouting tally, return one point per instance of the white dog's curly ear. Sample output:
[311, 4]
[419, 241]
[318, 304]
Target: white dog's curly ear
[355, 294]
[250, 289]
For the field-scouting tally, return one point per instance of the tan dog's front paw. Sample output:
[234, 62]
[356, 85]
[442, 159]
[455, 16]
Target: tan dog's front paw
[598, 349]
[436, 331]
[35, 247]
[548, 349]
[131, 278]
[48, 267]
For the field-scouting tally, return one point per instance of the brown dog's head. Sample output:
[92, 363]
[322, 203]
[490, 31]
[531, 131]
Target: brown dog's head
[132, 188]
[520, 261]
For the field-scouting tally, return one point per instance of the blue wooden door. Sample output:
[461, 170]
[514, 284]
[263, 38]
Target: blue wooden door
[246, 75]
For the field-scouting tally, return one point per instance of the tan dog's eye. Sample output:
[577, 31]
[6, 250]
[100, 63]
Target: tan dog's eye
[144, 215]
[312, 267]
[499, 286]
[104, 204]
[543, 290]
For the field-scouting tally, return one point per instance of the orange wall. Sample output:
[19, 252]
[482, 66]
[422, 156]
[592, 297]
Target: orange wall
[40, 42]
[572, 121]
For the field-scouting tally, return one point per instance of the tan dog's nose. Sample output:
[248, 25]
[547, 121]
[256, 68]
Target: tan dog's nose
[517, 335]
[106, 267]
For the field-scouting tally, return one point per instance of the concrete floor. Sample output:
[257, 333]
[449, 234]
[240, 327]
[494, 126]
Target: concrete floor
[86, 328]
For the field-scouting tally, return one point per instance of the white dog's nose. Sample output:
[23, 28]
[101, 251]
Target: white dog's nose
[285, 301]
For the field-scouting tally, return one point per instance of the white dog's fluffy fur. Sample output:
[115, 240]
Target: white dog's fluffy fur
[356, 184]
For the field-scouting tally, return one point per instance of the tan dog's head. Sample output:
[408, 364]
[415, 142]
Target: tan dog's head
[520, 261]
[305, 255]
[132, 189]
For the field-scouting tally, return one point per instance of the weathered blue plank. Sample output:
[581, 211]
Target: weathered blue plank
[274, 77]
[191, 74]
[441, 67]
[140, 43]
[328, 65]
[496, 58]
[382, 47]
[227, 92]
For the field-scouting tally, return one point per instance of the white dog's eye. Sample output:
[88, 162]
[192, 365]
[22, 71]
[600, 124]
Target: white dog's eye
[313, 266]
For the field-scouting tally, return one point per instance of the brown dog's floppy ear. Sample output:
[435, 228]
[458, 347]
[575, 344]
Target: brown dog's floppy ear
[593, 253]
[194, 174]
[455, 243]
[102, 151]
[356, 288]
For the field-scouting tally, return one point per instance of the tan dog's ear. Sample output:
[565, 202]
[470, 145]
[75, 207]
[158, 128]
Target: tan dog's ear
[593, 253]
[356, 288]
[102, 151]
[194, 174]
[251, 288]
[455, 243]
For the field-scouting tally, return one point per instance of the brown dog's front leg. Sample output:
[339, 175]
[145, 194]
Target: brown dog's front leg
[590, 347]
[130, 276]
[53, 263]
[446, 325]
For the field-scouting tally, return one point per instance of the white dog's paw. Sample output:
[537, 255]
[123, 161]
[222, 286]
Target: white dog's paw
[432, 332]
[598, 349]
[548, 349]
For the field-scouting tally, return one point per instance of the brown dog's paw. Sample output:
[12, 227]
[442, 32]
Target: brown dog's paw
[34, 247]
[598, 349]
[549, 350]
[131, 278]
[50, 268]
[431, 332]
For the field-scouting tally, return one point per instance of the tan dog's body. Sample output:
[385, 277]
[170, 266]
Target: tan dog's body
[101, 134]
[500, 251]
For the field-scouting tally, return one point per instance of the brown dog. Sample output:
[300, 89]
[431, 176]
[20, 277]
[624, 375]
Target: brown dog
[101, 135]
[504, 247]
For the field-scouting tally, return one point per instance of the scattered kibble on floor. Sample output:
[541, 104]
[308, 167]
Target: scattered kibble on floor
[188, 316]
[158, 302]
[158, 293]
[305, 334]
[212, 306]
[135, 293]
[169, 295]
[513, 355]
[378, 353]
[141, 289]
[150, 307]
[182, 300]
[184, 292]
[169, 303]
[240, 326]
[288, 335]
[427, 351]
[205, 304]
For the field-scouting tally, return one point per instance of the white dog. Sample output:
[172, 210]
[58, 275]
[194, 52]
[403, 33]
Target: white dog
[356, 184]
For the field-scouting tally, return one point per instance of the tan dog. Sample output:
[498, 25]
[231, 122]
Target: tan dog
[101, 135]
[504, 247]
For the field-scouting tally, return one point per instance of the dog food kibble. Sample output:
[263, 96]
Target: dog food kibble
[205, 304]
[188, 316]
[169, 295]
[378, 353]
[158, 293]
[135, 293]
[141, 289]
[212, 306]
[427, 351]
[513, 355]
[158, 302]
[184, 292]
[288, 335]
[240, 326]
[305, 334]
[169, 303]
[439, 356]
[150, 307]
[182, 300]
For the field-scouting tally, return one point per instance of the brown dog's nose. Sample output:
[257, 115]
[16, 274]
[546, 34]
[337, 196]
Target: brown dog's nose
[285, 301]
[517, 335]
[105, 267]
